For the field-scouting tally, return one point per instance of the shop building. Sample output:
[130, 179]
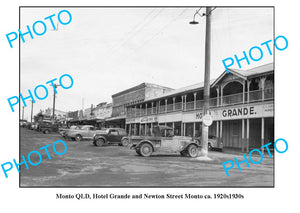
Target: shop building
[241, 105]
[94, 115]
[134, 95]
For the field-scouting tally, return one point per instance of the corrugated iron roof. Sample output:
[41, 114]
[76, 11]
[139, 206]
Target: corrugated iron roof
[256, 70]
[182, 90]
[241, 73]
[246, 74]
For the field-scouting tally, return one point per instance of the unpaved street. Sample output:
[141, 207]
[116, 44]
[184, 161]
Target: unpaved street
[87, 165]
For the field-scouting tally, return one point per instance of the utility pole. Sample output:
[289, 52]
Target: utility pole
[53, 112]
[31, 111]
[204, 135]
[22, 113]
[206, 81]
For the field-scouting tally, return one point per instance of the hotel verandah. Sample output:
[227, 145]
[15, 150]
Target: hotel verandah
[241, 104]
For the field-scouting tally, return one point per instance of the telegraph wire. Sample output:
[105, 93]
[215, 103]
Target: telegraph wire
[139, 30]
[153, 37]
[132, 31]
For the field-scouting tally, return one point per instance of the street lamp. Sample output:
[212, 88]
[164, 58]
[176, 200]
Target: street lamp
[206, 77]
[194, 22]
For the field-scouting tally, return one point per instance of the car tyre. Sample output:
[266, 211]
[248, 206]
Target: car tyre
[99, 142]
[192, 150]
[78, 137]
[138, 151]
[210, 147]
[46, 131]
[146, 150]
[183, 153]
[125, 142]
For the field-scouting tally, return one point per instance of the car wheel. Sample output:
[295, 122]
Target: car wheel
[183, 153]
[210, 147]
[138, 151]
[192, 150]
[78, 137]
[146, 150]
[46, 131]
[125, 142]
[99, 142]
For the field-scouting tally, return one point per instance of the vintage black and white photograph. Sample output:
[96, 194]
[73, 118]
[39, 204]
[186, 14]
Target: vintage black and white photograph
[146, 96]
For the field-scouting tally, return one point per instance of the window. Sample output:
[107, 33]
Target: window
[122, 132]
[114, 132]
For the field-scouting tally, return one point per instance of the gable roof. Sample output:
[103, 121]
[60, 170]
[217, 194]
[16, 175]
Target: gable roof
[246, 74]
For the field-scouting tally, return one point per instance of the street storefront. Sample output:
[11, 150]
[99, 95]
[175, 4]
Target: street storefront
[130, 96]
[241, 105]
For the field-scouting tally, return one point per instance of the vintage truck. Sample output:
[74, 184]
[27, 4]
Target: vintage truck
[162, 140]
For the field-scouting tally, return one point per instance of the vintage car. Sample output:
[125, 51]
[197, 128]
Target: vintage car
[212, 143]
[163, 140]
[34, 126]
[28, 125]
[47, 126]
[64, 131]
[111, 136]
[23, 123]
[84, 132]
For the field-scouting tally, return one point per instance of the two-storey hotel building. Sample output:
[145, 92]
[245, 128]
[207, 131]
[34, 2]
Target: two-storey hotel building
[241, 105]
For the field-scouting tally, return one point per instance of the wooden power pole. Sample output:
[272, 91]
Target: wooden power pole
[206, 81]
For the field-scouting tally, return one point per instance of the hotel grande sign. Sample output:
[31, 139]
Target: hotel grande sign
[234, 112]
[254, 110]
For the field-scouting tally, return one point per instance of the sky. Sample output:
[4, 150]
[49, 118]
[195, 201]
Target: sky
[108, 50]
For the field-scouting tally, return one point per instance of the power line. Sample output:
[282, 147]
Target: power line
[162, 29]
[154, 36]
[212, 10]
[132, 30]
[145, 24]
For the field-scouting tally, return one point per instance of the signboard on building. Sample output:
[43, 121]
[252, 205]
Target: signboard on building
[150, 119]
[146, 119]
[254, 110]
[233, 112]
[244, 112]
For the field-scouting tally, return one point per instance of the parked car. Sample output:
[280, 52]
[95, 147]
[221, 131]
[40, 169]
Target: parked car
[23, 123]
[164, 141]
[212, 143]
[47, 127]
[83, 132]
[28, 125]
[111, 136]
[64, 131]
[34, 126]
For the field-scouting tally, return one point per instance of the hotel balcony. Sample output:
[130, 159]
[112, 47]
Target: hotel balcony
[162, 106]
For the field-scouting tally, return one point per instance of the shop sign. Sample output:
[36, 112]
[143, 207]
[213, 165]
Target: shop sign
[242, 111]
[254, 111]
[229, 113]
[130, 120]
[151, 119]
